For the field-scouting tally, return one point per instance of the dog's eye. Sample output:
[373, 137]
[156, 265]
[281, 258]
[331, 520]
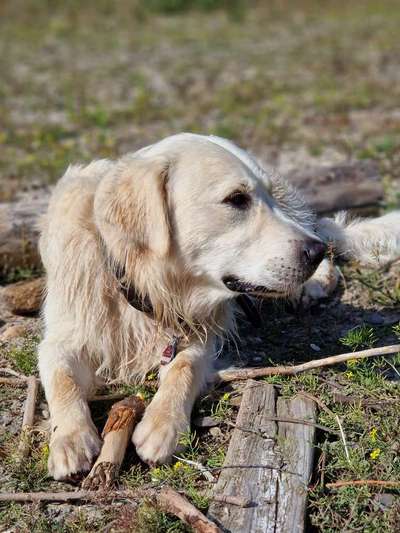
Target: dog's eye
[238, 199]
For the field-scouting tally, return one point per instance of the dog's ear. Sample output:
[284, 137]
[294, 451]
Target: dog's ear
[131, 206]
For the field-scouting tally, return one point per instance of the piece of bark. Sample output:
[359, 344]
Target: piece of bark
[355, 185]
[19, 232]
[123, 417]
[270, 465]
[25, 297]
[29, 416]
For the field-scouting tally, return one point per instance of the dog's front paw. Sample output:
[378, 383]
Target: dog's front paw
[157, 436]
[72, 451]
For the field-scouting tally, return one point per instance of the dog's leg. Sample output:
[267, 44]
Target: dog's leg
[67, 380]
[168, 416]
[321, 284]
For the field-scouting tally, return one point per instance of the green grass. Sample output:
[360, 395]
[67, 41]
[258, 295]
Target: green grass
[359, 337]
[24, 357]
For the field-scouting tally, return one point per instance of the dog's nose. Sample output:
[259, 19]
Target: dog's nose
[313, 252]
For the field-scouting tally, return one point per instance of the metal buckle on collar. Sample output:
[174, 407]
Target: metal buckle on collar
[170, 351]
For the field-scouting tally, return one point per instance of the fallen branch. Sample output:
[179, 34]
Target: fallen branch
[364, 482]
[11, 372]
[13, 382]
[124, 415]
[29, 416]
[16, 382]
[250, 373]
[170, 501]
[166, 499]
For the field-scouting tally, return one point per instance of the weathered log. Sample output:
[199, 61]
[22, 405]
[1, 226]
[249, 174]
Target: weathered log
[19, 231]
[270, 465]
[327, 189]
[355, 185]
[124, 415]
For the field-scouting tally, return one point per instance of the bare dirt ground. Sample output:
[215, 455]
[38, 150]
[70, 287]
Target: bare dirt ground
[298, 83]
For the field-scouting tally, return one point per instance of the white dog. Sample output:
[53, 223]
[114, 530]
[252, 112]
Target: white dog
[144, 257]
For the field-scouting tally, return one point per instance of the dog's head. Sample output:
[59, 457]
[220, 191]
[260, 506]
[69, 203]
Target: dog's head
[205, 206]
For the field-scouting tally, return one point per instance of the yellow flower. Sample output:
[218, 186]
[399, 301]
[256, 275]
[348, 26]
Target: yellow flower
[372, 434]
[178, 465]
[375, 453]
[45, 450]
[352, 363]
[226, 396]
[349, 374]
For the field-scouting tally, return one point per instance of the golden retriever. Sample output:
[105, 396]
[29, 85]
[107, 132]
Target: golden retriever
[144, 258]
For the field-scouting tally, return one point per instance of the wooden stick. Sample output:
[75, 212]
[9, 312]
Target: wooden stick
[166, 499]
[366, 482]
[124, 415]
[11, 372]
[29, 416]
[16, 382]
[13, 382]
[170, 501]
[249, 373]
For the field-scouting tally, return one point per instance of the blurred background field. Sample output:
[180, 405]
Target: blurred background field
[298, 82]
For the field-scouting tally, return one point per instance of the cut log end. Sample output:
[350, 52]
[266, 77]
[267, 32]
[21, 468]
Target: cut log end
[102, 476]
[123, 413]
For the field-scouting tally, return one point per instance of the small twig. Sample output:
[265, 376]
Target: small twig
[284, 421]
[366, 482]
[11, 372]
[239, 501]
[392, 366]
[108, 397]
[13, 382]
[343, 436]
[261, 467]
[206, 473]
[250, 373]
[29, 416]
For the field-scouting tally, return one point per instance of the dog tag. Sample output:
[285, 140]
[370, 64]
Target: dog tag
[170, 351]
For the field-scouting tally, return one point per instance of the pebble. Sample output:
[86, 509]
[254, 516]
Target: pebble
[375, 319]
[215, 432]
[315, 347]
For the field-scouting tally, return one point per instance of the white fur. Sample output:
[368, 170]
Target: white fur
[160, 213]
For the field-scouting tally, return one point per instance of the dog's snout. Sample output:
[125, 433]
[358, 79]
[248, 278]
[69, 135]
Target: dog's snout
[313, 252]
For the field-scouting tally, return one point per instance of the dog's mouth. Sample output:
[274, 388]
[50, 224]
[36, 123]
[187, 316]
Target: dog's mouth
[244, 287]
